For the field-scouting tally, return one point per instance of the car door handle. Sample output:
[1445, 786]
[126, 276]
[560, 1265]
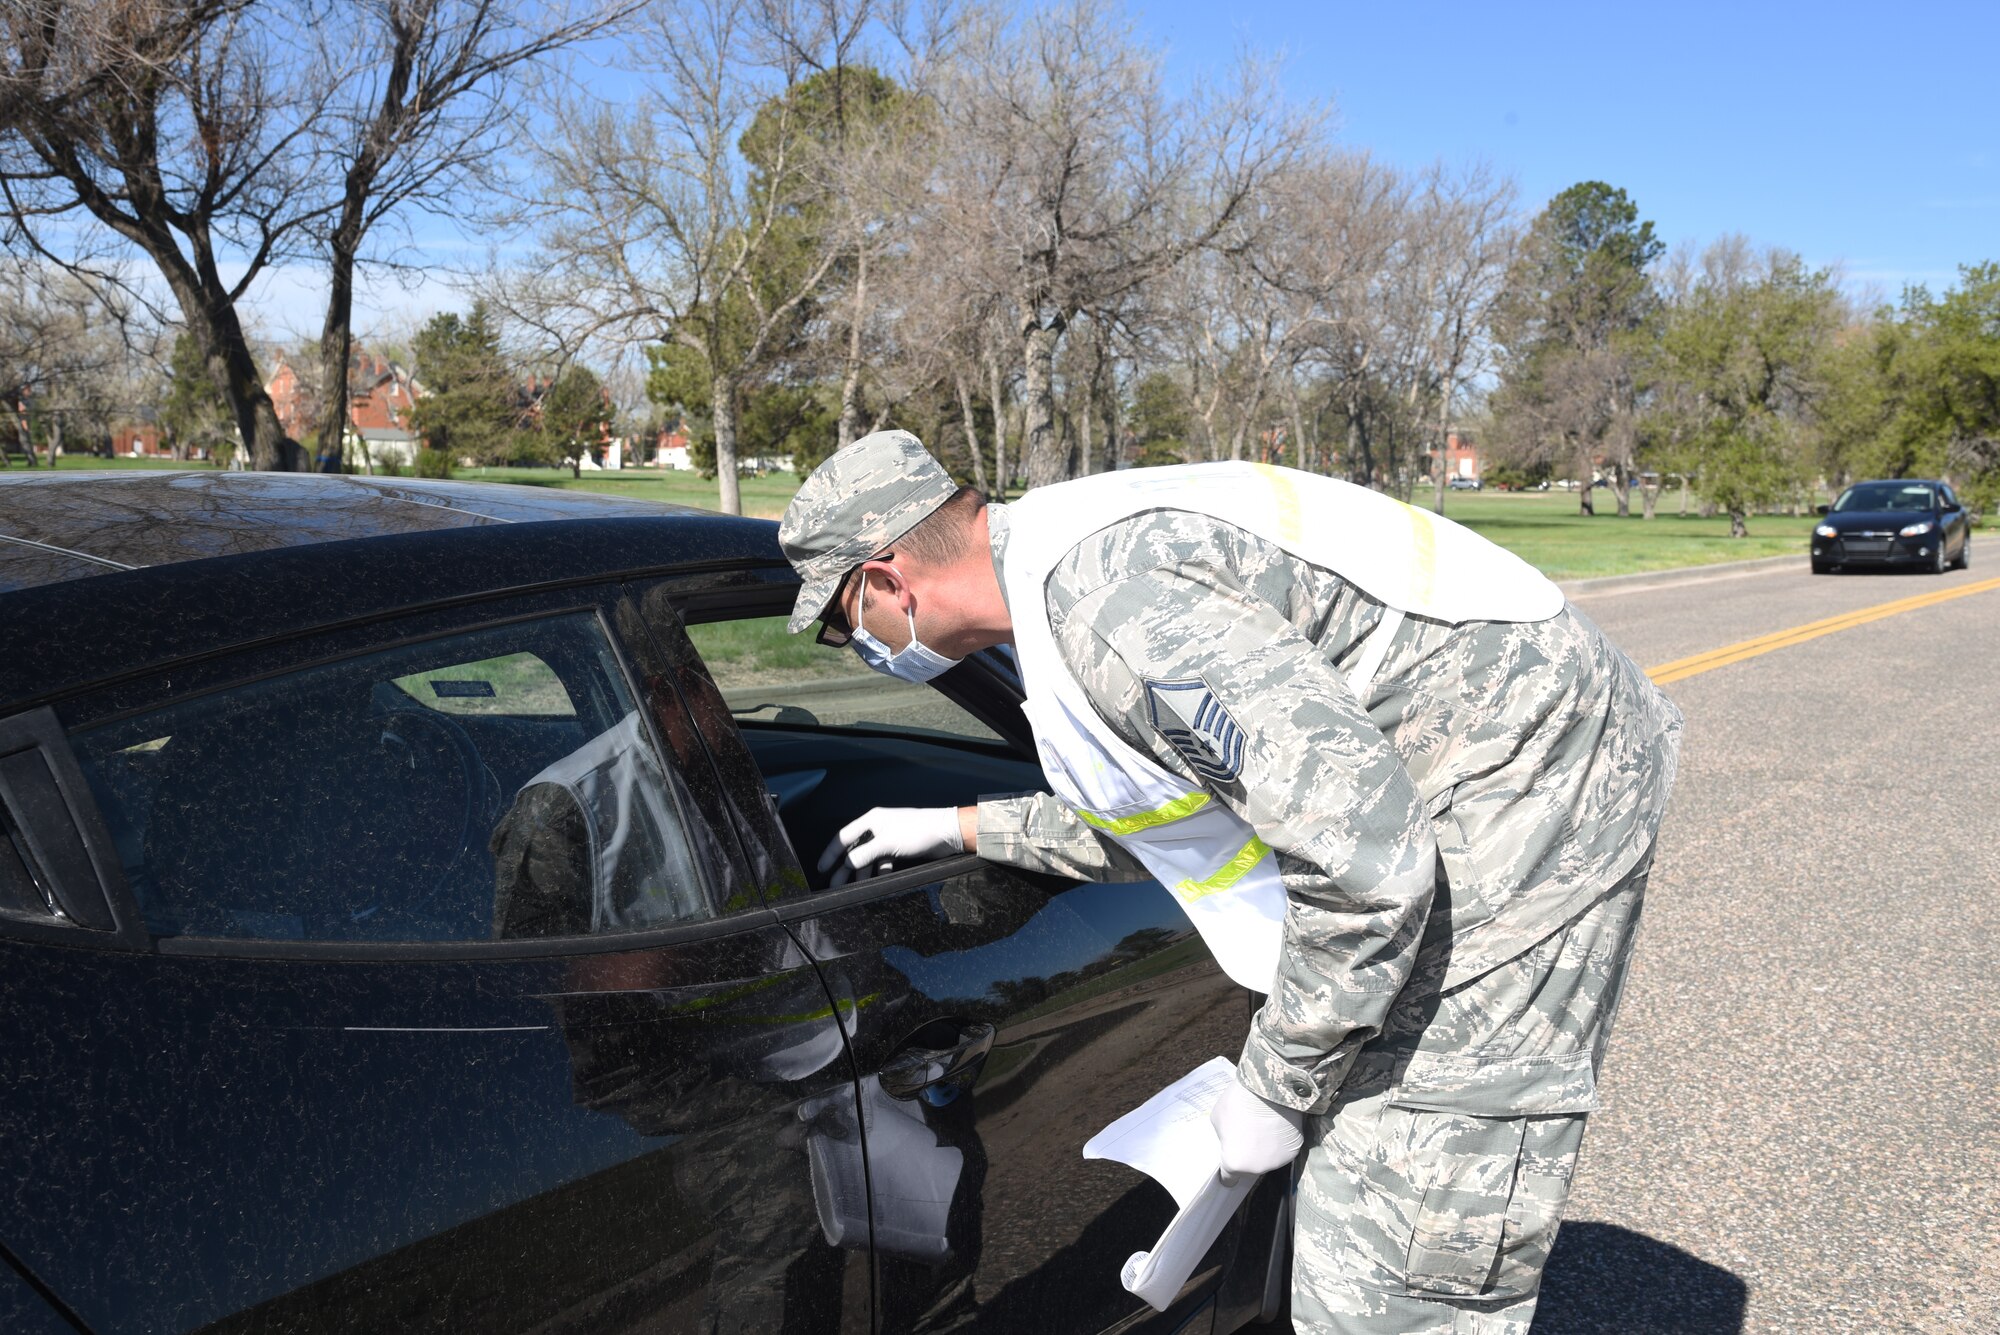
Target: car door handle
[943, 1053]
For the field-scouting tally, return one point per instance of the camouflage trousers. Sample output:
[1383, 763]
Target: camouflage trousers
[1432, 1189]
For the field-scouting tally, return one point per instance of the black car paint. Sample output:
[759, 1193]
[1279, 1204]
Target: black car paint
[571, 1134]
[1881, 530]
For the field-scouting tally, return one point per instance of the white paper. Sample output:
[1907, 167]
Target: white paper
[1168, 1138]
[1159, 1275]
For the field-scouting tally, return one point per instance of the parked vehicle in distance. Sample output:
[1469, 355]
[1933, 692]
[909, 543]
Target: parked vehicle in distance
[1908, 522]
[409, 919]
[1463, 483]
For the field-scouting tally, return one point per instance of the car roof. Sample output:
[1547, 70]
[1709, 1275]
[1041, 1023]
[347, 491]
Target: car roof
[268, 557]
[69, 525]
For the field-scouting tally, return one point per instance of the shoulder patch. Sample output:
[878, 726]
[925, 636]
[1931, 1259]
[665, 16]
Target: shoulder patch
[1196, 725]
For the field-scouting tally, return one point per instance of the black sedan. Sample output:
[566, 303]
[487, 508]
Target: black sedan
[408, 922]
[1912, 523]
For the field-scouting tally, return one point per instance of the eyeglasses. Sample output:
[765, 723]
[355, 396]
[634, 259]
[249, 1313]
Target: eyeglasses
[833, 627]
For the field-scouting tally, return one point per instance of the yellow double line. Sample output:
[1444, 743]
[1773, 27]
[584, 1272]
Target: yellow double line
[1682, 668]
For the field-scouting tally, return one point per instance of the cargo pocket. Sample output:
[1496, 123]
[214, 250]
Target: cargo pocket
[1493, 1145]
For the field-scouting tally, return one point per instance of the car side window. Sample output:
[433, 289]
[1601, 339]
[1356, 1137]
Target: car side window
[498, 783]
[1946, 500]
[769, 676]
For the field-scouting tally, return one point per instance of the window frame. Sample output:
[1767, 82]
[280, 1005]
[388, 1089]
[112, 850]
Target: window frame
[984, 688]
[210, 674]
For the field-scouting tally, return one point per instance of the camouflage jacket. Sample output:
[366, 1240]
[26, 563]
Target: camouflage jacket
[1504, 774]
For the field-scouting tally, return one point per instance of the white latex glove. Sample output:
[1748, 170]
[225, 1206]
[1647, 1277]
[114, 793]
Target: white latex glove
[1257, 1136]
[891, 835]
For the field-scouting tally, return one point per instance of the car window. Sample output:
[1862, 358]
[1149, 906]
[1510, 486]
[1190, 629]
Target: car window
[1948, 498]
[1911, 496]
[499, 783]
[771, 677]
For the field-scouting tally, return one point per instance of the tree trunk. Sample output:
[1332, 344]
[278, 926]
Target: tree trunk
[722, 391]
[850, 379]
[336, 344]
[1048, 460]
[1114, 445]
[1085, 438]
[1621, 486]
[27, 437]
[971, 430]
[1649, 500]
[1301, 457]
[1357, 468]
[55, 437]
[1684, 495]
[1737, 527]
[994, 388]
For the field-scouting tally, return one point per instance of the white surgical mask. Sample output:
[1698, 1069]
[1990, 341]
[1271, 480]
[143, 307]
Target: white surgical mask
[916, 662]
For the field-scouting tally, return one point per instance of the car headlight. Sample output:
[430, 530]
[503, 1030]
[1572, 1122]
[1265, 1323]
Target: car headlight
[1912, 530]
[1826, 531]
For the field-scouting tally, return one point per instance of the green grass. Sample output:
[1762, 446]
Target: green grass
[759, 651]
[90, 463]
[1545, 529]
[1542, 527]
[764, 497]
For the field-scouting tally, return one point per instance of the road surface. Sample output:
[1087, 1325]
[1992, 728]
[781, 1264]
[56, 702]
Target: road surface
[1801, 1121]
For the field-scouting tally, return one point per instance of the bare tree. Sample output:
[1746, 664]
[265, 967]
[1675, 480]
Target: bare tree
[182, 128]
[71, 352]
[655, 226]
[1071, 179]
[1464, 239]
[417, 114]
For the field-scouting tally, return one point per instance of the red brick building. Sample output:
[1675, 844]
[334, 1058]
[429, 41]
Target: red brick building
[380, 395]
[1462, 457]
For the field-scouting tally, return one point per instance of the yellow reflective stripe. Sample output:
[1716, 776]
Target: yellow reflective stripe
[1291, 526]
[1423, 578]
[1228, 875]
[1146, 820]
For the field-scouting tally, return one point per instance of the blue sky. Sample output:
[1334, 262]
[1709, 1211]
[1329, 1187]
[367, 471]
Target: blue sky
[1863, 135]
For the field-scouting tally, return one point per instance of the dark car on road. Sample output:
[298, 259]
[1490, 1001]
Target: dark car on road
[1913, 522]
[409, 921]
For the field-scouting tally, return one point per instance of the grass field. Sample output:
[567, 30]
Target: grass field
[1543, 527]
[764, 497]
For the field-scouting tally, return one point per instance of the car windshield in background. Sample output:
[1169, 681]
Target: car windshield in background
[1884, 496]
[769, 676]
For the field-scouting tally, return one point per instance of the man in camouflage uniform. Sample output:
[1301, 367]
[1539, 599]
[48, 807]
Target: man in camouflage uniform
[1463, 846]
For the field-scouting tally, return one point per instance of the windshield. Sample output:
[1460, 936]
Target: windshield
[1885, 496]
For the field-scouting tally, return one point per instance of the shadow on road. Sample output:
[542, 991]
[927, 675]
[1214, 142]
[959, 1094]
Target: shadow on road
[1607, 1280]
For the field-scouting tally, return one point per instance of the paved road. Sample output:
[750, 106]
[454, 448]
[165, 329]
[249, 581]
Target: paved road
[1801, 1129]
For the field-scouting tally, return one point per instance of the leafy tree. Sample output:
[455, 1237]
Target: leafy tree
[1570, 327]
[575, 415]
[195, 414]
[1916, 391]
[1160, 420]
[468, 408]
[1741, 358]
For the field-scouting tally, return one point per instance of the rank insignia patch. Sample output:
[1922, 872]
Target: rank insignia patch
[1195, 724]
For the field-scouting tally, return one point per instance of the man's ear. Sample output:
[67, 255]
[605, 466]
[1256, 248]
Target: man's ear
[890, 583]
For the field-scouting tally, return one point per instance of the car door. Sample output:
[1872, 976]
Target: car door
[1957, 524]
[436, 992]
[999, 1019]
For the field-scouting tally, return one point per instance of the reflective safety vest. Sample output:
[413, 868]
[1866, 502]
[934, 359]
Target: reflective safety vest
[1412, 561]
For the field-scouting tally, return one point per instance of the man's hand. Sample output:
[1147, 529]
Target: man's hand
[892, 835]
[1257, 1136]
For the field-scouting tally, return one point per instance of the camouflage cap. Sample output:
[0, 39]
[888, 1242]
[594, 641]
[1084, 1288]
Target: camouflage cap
[854, 505]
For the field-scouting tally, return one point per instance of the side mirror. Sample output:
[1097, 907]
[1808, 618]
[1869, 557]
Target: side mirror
[1821, 509]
